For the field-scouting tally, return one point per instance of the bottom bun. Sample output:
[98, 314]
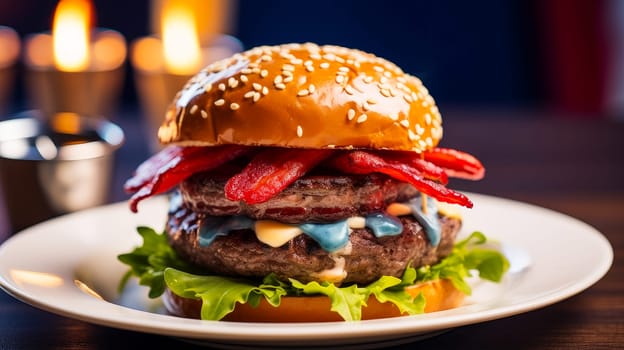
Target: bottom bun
[439, 295]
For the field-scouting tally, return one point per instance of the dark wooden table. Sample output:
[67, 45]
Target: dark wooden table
[569, 165]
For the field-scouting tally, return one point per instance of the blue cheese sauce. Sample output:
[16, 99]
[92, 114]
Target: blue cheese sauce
[332, 236]
[429, 221]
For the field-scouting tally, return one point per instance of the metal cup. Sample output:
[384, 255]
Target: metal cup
[56, 166]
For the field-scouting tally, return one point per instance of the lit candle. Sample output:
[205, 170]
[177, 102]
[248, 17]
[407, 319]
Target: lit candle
[76, 68]
[9, 51]
[164, 63]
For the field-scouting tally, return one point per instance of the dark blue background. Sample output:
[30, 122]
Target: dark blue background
[467, 52]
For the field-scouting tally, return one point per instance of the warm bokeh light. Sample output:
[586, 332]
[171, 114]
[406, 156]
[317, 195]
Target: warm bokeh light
[180, 39]
[41, 279]
[71, 34]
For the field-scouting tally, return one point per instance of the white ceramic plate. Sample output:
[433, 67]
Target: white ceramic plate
[50, 264]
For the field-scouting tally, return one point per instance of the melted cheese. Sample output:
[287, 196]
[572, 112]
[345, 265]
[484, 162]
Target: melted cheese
[275, 234]
[336, 274]
[398, 209]
[449, 210]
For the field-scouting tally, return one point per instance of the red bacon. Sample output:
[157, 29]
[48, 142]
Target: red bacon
[361, 162]
[456, 163]
[172, 165]
[270, 172]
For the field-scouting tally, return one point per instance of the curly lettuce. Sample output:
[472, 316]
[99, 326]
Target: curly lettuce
[157, 266]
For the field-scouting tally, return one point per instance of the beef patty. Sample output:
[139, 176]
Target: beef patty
[315, 198]
[241, 254]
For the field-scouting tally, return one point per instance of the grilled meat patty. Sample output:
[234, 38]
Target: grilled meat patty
[323, 198]
[316, 198]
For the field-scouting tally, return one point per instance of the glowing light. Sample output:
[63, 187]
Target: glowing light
[180, 40]
[41, 279]
[71, 34]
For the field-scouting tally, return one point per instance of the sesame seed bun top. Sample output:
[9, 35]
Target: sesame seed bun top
[307, 96]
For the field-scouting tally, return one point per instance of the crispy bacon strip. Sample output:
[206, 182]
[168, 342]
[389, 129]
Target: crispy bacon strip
[172, 165]
[456, 163]
[270, 172]
[361, 162]
[429, 170]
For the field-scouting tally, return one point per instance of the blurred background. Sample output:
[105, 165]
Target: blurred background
[498, 60]
[557, 54]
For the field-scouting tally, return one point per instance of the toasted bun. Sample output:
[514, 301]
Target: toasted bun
[439, 295]
[306, 96]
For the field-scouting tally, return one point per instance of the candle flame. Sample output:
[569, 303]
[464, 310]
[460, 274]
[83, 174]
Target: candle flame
[71, 34]
[180, 39]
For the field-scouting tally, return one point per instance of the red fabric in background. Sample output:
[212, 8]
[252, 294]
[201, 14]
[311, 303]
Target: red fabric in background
[575, 39]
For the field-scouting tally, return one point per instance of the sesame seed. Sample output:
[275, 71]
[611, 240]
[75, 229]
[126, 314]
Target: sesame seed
[425, 104]
[244, 78]
[324, 65]
[362, 118]
[288, 79]
[351, 114]
[278, 79]
[315, 56]
[371, 101]
[266, 58]
[264, 73]
[303, 92]
[307, 63]
[208, 87]
[394, 117]
[256, 70]
[385, 92]
[378, 69]
[288, 67]
[405, 123]
[265, 90]
[280, 86]
[299, 131]
[194, 109]
[383, 80]
[349, 89]
[257, 86]
[219, 102]
[429, 141]
[387, 74]
[287, 73]
[365, 106]
[340, 59]
[408, 98]
[256, 96]
[309, 68]
[249, 94]
[232, 82]
[427, 118]
[222, 87]
[343, 69]
[412, 136]
[340, 79]
[204, 114]
[234, 106]
[296, 61]
[368, 79]
[246, 71]
[312, 88]
[419, 129]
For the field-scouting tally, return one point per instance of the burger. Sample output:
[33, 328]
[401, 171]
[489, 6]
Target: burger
[305, 183]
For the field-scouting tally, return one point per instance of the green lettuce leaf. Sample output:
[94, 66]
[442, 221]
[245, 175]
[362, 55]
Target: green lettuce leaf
[219, 294]
[149, 261]
[157, 266]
